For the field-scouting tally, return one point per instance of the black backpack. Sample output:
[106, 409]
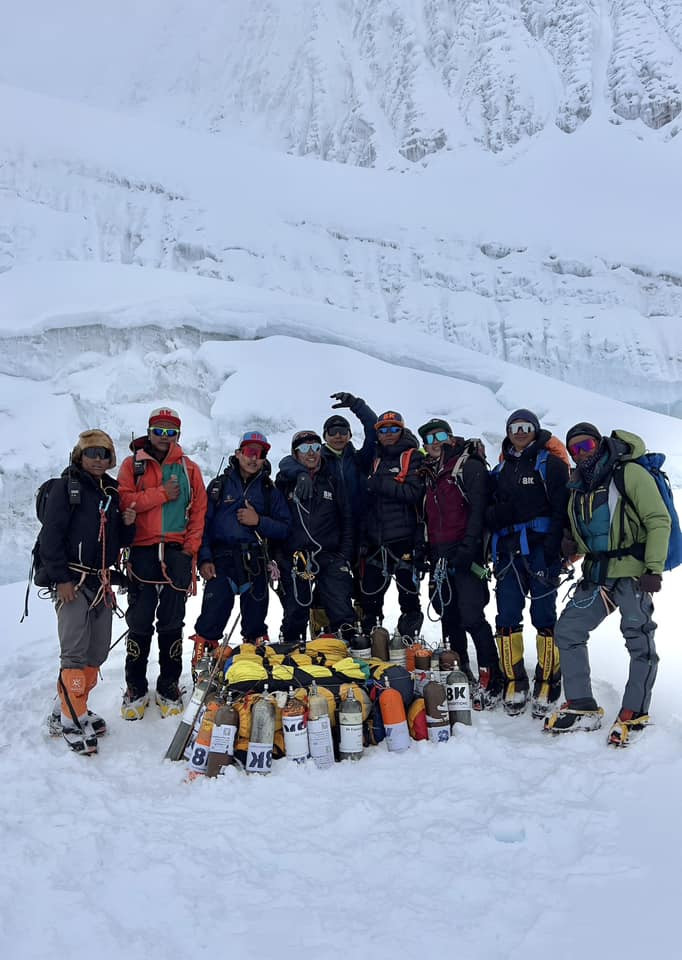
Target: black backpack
[38, 573]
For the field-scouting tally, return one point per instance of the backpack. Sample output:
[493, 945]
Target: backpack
[38, 572]
[472, 448]
[653, 463]
[405, 459]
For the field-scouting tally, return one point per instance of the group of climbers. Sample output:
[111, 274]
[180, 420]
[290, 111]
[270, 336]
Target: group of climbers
[337, 526]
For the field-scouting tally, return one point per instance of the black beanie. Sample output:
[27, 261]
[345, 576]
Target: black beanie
[336, 420]
[304, 436]
[523, 415]
[585, 430]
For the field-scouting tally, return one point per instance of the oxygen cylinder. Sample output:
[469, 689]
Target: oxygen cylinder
[394, 718]
[198, 759]
[459, 695]
[350, 727]
[422, 666]
[177, 746]
[320, 740]
[259, 753]
[359, 645]
[223, 738]
[379, 638]
[295, 728]
[409, 657]
[446, 664]
[396, 649]
[435, 659]
[436, 709]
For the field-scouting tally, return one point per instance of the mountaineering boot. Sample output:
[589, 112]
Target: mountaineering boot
[510, 646]
[487, 693]
[575, 715]
[547, 681]
[80, 737]
[134, 706]
[627, 728]
[171, 704]
[54, 723]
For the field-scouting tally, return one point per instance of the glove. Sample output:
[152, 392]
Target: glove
[304, 486]
[569, 548]
[650, 582]
[344, 400]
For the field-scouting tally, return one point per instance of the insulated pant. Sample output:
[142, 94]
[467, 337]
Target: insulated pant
[376, 580]
[520, 576]
[165, 601]
[468, 596]
[588, 607]
[333, 586]
[84, 634]
[219, 595]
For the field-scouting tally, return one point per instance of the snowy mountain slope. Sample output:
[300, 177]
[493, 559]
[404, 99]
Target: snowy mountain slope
[386, 82]
[87, 344]
[497, 259]
[501, 842]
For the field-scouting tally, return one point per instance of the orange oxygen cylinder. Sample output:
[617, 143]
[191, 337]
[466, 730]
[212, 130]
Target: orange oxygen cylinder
[223, 738]
[394, 718]
[198, 760]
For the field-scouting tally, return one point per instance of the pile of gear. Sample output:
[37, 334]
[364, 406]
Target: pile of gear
[257, 704]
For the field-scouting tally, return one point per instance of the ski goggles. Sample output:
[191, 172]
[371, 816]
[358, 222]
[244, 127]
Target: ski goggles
[309, 447]
[589, 445]
[253, 450]
[164, 431]
[337, 432]
[386, 430]
[96, 453]
[521, 426]
[440, 436]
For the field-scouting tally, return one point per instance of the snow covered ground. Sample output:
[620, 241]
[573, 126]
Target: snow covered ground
[499, 844]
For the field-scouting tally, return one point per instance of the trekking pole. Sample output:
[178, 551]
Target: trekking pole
[201, 690]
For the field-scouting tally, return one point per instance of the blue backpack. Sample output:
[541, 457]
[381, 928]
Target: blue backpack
[653, 463]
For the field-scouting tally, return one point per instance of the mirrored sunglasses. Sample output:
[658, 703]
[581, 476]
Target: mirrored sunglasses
[338, 432]
[390, 429]
[97, 453]
[583, 446]
[309, 447]
[440, 436]
[252, 450]
[165, 431]
[521, 426]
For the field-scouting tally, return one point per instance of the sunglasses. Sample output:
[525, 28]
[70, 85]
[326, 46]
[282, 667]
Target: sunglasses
[252, 450]
[521, 426]
[165, 431]
[309, 447]
[583, 446]
[97, 453]
[337, 432]
[440, 436]
[385, 430]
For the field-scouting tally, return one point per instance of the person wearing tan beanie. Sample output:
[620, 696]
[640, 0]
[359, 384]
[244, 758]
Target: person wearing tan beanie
[83, 531]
